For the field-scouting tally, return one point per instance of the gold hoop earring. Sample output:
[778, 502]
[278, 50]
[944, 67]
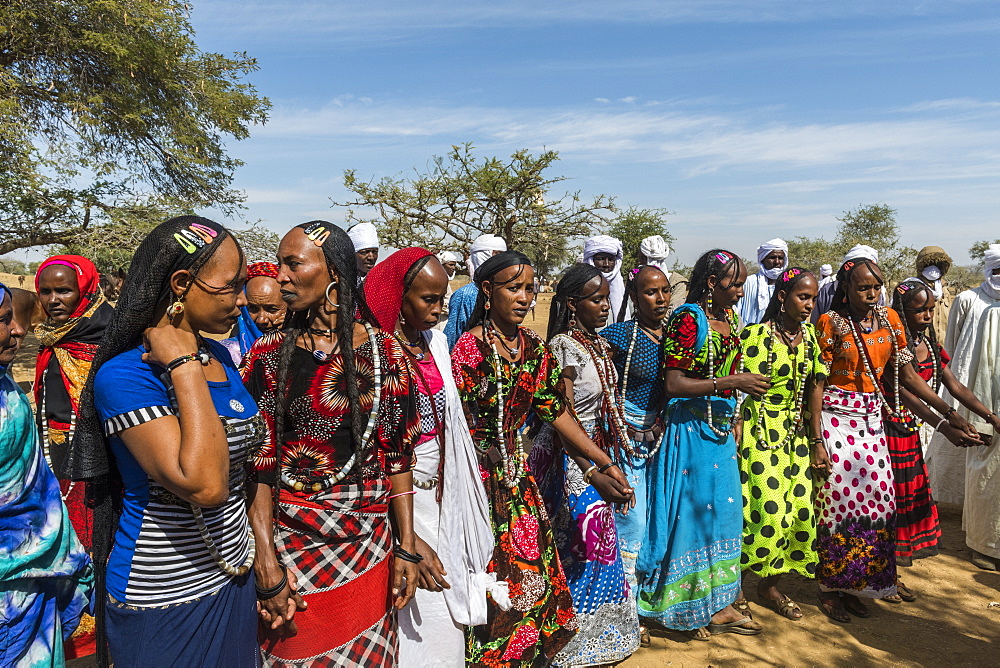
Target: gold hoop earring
[326, 295]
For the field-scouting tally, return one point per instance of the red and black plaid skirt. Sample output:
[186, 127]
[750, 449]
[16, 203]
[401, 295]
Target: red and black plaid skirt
[338, 545]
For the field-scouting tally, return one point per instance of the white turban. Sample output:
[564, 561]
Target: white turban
[991, 260]
[363, 235]
[605, 244]
[860, 252]
[766, 249]
[825, 270]
[482, 250]
[656, 250]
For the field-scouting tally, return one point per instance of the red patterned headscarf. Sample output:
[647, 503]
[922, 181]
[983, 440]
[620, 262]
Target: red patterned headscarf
[384, 285]
[257, 269]
[88, 279]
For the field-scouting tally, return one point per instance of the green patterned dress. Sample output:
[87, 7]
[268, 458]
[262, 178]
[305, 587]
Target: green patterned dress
[779, 534]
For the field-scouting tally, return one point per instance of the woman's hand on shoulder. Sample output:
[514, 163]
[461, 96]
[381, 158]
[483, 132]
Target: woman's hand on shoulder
[167, 343]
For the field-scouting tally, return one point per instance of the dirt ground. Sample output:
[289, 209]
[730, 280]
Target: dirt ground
[955, 621]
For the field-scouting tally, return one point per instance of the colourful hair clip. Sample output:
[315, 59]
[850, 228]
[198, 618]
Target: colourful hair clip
[317, 233]
[790, 274]
[723, 256]
[903, 287]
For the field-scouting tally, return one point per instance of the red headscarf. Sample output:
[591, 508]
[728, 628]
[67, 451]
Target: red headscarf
[384, 285]
[268, 269]
[88, 279]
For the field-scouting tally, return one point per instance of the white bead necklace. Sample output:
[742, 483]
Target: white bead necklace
[624, 392]
[600, 354]
[711, 370]
[757, 428]
[510, 475]
[331, 480]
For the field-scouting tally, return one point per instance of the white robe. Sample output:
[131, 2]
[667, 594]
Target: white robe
[431, 626]
[756, 295]
[945, 462]
[981, 515]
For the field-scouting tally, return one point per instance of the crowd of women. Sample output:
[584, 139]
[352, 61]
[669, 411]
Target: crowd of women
[339, 482]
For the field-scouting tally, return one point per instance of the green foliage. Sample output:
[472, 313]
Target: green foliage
[459, 198]
[632, 226]
[978, 250]
[961, 278]
[870, 224]
[12, 266]
[259, 243]
[108, 109]
[875, 225]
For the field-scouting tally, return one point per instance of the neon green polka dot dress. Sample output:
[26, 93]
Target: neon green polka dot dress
[779, 524]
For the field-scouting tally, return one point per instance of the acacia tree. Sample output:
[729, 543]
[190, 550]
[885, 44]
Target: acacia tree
[109, 112]
[978, 250]
[460, 198]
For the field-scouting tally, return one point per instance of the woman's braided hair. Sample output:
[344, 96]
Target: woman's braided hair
[570, 286]
[338, 251]
[904, 295]
[786, 283]
[716, 262]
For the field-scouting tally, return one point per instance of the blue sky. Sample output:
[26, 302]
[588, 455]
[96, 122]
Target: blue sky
[747, 120]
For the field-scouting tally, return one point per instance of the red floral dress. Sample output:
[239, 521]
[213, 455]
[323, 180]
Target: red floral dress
[540, 620]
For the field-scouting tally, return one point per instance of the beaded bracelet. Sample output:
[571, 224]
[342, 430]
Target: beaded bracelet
[589, 473]
[412, 491]
[271, 592]
[200, 356]
[407, 556]
[715, 386]
[948, 412]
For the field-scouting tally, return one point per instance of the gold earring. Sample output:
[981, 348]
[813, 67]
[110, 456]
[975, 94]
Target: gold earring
[487, 304]
[176, 308]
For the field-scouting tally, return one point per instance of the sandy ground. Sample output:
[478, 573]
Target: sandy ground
[951, 624]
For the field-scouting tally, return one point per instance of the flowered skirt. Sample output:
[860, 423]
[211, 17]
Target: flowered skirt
[689, 565]
[584, 528]
[540, 620]
[856, 504]
[917, 526]
[338, 545]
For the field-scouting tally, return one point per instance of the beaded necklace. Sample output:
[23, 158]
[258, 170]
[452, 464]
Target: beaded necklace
[439, 436]
[799, 383]
[510, 476]
[599, 351]
[883, 321]
[711, 370]
[935, 362]
[624, 392]
[329, 481]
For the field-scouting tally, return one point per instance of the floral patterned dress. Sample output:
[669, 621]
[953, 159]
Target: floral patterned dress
[540, 620]
[689, 564]
[583, 522]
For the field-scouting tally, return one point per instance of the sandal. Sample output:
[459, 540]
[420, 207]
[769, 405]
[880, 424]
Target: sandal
[738, 627]
[895, 599]
[856, 606]
[904, 592]
[700, 634]
[742, 606]
[833, 607]
[785, 607]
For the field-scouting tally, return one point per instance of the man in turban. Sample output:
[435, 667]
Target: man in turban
[654, 251]
[364, 236]
[772, 256]
[824, 300]
[605, 253]
[825, 274]
[932, 265]
[449, 261]
[463, 300]
[946, 464]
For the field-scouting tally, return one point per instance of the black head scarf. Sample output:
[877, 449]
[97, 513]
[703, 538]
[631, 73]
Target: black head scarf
[487, 270]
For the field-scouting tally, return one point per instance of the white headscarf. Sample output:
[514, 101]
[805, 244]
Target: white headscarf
[605, 244]
[363, 235]
[825, 270]
[482, 250]
[766, 249]
[859, 252]
[656, 250]
[991, 261]
[447, 256]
